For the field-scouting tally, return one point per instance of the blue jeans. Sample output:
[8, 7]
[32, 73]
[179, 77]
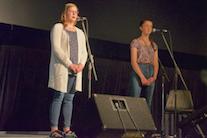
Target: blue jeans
[66, 101]
[136, 88]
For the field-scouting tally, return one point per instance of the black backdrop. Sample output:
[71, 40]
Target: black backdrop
[24, 61]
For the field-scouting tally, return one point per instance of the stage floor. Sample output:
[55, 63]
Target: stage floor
[24, 134]
[34, 134]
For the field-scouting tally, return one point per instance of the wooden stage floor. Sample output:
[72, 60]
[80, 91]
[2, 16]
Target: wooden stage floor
[24, 134]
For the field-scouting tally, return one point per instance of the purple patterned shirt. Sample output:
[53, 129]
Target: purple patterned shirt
[145, 53]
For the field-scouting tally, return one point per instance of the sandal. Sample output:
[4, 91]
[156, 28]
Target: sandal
[56, 134]
[70, 134]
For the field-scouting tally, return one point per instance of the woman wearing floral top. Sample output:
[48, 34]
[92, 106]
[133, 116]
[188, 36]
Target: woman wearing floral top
[144, 61]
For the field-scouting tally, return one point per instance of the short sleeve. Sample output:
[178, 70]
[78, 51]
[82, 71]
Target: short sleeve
[135, 43]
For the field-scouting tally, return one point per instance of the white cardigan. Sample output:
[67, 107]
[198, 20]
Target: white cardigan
[60, 58]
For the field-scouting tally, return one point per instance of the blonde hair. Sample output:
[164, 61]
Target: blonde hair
[63, 15]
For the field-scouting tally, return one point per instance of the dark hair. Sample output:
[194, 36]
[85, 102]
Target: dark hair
[150, 38]
[144, 20]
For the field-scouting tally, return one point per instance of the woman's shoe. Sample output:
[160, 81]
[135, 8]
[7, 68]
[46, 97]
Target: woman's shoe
[56, 134]
[70, 134]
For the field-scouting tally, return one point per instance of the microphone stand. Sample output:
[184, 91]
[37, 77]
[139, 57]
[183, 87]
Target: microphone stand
[178, 72]
[91, 62]
[163, 97]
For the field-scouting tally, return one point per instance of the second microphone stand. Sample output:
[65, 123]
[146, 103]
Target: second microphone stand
[163, 97]
[177, 72]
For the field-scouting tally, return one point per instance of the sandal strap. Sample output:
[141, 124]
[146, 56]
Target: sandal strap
[70, 133]
[57, 132]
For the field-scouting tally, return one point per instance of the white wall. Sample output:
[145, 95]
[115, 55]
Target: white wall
[40, 14]
[118, 20]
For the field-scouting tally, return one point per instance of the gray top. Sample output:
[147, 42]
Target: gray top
[73, 48]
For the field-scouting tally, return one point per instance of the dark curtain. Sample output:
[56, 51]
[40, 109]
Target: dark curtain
[25, 98]
[113, 77]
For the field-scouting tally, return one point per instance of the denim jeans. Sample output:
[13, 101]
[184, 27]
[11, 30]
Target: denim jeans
[136, 87]
[66, 101]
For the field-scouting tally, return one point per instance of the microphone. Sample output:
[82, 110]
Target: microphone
[80, 18]
[159, 30]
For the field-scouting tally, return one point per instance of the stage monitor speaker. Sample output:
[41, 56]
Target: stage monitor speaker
[110, 116]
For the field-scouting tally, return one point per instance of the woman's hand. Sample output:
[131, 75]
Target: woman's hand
[144, 81]
[80, 68]
[74, 68]
[147, 82]
[151, 80]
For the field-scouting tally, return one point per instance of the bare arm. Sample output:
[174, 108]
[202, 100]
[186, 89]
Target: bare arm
[136, 67]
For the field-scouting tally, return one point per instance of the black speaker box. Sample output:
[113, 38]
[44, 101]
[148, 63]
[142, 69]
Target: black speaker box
[110, 116]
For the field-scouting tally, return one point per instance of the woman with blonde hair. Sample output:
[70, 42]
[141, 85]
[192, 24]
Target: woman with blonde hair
[68, 58]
